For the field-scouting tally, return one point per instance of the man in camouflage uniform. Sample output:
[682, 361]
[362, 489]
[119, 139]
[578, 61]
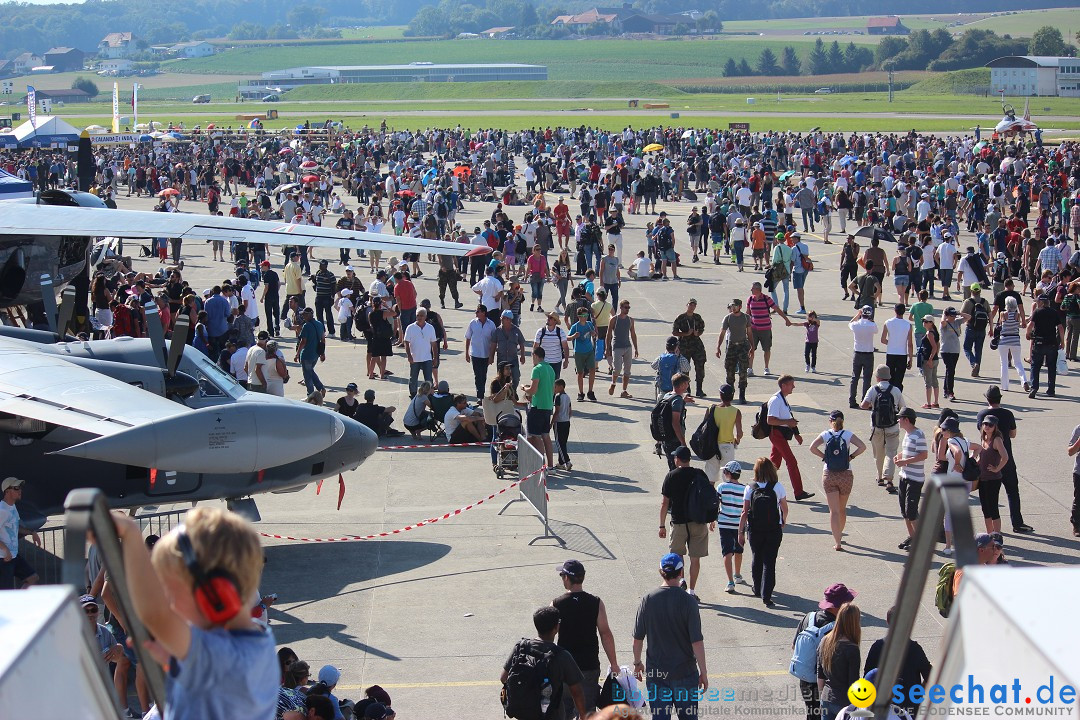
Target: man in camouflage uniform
[689, 328]
[736, 328]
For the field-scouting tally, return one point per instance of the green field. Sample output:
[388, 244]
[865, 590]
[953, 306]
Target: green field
[1024, 24]
[374, 32]
[851, 22]
[601, 60]
[471, 91]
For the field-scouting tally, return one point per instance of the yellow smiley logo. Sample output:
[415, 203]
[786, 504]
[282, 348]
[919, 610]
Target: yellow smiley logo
[862, 693]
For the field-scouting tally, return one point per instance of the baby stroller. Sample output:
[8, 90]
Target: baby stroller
[507, 429]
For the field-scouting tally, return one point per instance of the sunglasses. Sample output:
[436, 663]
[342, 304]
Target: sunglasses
[90, 611]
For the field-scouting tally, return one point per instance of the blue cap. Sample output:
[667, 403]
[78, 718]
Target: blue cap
[671, 562]
[508, 314]
[329, 674]
[733, 468]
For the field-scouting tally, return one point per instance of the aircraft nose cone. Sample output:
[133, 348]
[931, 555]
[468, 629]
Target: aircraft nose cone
[357, 444]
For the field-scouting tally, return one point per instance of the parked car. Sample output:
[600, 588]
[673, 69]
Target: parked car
[200, 99]
[823, 91]
[271, 98]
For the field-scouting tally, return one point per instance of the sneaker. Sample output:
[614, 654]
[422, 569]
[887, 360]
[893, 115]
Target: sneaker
[1027, 387]
[947, 552]
[807, 368]
[975, 370]
[766, 373]
[691, 592]
[1023, 529]
[581, 397]
[813, 369]
[731, 587]
[749, 372]
[682, 584]
[569, 466]
[592, 396]
[1032, 393]
[769, 603]
[611, 389]
[804, 495]
[905, 545]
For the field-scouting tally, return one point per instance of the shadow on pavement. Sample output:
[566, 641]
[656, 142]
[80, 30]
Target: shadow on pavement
[581, 540]
[597, 481]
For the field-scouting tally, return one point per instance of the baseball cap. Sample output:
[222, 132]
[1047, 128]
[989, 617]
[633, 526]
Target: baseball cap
[1044, 298]
[950, 424]
[12, 482]
[263, 335]
[87, 600]
[308, 311]
[443, 387]
[323, 263]
[348, 268]
[727, 391]
[950, 311]
[733, 468]
[836, 415]
[346, 292]
[976, 287]
[571, 567]
[908, 414]
[672, 342]
[682, 453]
[671, 562]
[836, 595]
[510, 314]
[983, 540]
[989, 420]
[329, 674]
[883, 372]
[867, 311]
[351, 386]
[369, 394]
[264, 263]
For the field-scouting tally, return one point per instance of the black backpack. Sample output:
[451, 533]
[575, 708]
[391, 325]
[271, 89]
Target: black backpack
[660, 419]
[525, 682]
[703, 441]
[702, 500]
[664, 239]
[980, 316]
[761, 428]
[764, 514]
[883, 413]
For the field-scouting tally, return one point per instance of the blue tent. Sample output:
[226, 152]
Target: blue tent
[12, 187]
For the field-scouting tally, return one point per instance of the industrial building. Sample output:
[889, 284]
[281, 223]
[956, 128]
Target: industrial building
[1038, 75]
[282, 80]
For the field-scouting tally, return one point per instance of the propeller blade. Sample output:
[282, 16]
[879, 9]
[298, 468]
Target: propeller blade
[156, 332]
[67, 310]
[176, 345]
[48, 299]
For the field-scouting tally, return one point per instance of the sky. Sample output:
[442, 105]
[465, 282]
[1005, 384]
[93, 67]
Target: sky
[42, 2]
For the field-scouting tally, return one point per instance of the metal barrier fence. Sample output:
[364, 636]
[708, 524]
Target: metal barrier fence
[48, 559]
[532, 471]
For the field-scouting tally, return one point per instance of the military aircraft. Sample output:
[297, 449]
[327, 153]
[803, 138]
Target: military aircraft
[50, 234]
[1011, 125]
[150, 424]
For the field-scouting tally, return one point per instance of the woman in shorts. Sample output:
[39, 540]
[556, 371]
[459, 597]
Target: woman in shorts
[837, 484]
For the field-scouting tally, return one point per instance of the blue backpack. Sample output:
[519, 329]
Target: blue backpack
[804, 656]
[837, 455]
[667, 366]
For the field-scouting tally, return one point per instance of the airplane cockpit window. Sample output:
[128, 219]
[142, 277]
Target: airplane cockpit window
[214, 382]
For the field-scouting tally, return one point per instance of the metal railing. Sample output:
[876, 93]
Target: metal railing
[86, 510]
[943, 495]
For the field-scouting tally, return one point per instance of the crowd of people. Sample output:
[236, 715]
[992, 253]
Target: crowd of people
[1015, 203]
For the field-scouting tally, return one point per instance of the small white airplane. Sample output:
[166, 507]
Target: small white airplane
[1011, 125]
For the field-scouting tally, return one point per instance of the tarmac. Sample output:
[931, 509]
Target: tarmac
[431, 614]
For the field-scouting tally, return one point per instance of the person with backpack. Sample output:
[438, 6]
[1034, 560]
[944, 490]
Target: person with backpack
[884, 401]
[804, 647]
[691, 500]
[976, 313]
[724, 422]
[670, 621]
[764, 515]
[782, 428]
[839, 661]
[553, 339]
[952, 453]
[534, 676]
[834, 447]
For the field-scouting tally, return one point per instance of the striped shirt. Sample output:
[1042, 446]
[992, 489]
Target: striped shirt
[731, 504]
[914, 443]
[759, 308]
[1010, 329]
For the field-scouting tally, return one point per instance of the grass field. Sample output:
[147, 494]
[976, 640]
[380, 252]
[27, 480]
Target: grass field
[375, 32]
[1024, 24]
[600, 60]
[852, 22]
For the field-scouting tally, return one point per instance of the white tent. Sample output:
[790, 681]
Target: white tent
[49, 130]
[12, 187]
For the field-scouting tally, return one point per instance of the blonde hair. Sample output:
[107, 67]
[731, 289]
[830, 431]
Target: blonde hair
[848, 627]
[223, 541]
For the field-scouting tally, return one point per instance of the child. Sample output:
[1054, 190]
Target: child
[344, 307]
[560, 419]
[219, 549]
[813, 326]
[731, 493]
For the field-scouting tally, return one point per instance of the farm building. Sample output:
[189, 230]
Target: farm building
[886, 26]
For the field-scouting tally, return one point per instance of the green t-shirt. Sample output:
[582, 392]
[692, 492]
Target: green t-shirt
[920, 310]
[544, 399]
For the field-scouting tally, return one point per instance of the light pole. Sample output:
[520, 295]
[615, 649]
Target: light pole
[890, 69]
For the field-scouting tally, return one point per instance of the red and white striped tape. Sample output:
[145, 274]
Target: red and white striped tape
[433, 446]
[414, 526]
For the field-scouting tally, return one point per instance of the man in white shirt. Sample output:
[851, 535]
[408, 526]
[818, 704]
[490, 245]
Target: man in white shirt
[641, 268]
[899, 345]
[489, 289]
[922, 209]
[968, 271]
[783, 428]
[255, 363]
[13, 567]
[865, 330]
[945, 255]
[420, 347]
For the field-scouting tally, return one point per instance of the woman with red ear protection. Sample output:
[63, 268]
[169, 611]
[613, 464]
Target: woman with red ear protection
[193, 595]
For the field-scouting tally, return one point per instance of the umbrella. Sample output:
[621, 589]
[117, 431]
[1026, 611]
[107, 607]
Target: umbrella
[848, 160]
[622, 159]
[690, 195]
[978, 146]
[95, 129]
[254, 124]
[785, 176]
[211, 126]
[142, 126]
[176, 136]
[168, 192]
[145, 138]
[310, 178]
[463, 171]
[653, 147]
[881, 234]
[286, 188]
[157, 134]
[406, 193]
[688, 133]
[309, 164]
[169, 139]
[285, 151]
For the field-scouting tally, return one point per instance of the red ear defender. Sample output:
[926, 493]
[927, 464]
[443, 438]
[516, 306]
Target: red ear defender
[215, 591]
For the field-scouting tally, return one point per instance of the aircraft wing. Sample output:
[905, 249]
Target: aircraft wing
[45, 387]
[30, 219]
